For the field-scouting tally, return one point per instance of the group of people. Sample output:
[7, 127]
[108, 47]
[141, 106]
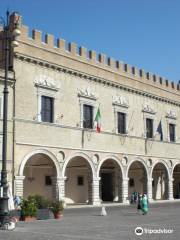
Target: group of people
[141, 200]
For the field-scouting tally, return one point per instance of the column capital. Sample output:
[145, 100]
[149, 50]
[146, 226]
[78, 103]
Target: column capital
[125, 179]
[19, 177]
[58, 179]
[96, 179]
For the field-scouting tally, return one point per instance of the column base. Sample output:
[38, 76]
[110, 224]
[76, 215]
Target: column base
[96, 203]
[125, 201]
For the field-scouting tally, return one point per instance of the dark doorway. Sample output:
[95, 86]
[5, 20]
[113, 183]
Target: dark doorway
[107, 186]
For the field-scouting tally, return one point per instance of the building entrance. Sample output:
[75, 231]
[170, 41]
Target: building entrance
[107, 186]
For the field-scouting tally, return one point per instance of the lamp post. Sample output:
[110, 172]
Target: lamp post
[10, 33]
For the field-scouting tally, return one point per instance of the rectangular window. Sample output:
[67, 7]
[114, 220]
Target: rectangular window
[47, 109]
[172, 132]
[149, 128]
[131, 182]
[80, 180]
[87, 116]
[121, 122]
[48, 181]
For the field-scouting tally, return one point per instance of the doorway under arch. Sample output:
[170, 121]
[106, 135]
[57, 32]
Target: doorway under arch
[111, 181]
[160, 182]
[176, 183]
[137, 175]
[39, 172]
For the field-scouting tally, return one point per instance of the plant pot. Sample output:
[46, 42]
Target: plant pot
[29, 218]
[57, 215]
[44, 213]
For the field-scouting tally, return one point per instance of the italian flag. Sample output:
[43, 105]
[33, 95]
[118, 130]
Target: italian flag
[97, 121]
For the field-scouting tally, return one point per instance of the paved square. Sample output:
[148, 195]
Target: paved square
[86, 223]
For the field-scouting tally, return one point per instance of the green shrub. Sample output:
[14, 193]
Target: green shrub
[57, 206]
[28, 207]
[41, 202]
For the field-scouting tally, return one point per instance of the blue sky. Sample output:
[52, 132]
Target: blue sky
[142, 33]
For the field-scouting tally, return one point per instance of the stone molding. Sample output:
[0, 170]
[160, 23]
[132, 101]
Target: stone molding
[171, 114]
[148, 109]
[120, 101]
[45, 81]
[42, 63]
[87, 93]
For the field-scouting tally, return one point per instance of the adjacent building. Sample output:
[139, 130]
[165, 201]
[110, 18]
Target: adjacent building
[55, 91]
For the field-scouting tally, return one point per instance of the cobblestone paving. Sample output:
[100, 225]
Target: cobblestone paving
[87, 224]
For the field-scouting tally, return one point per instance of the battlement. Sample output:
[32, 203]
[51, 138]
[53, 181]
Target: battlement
[91, 57]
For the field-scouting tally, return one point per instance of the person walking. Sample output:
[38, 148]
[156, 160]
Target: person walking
[144, 204]
[139, 198]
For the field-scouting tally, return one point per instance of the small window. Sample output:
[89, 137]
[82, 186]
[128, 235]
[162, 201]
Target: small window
[153, 183]
[87, 116]
[47, 109]
[121, 122]
[80, 180]
[48, 181]
[172, 132]
[131, 182]
[149, 128]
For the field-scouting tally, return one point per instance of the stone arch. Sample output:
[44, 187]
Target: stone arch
[79, 172]
[137, 160]
[137, 173]
[177, 163]
[160, 174]
[112, 157]
[165, 165]
[176, 180]
[78, 154]
[39, 151]
[38, 174]
[110, 171]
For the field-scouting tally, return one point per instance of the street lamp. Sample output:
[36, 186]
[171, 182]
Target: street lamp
[9, 37]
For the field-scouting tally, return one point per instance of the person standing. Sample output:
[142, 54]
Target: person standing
[144, 204]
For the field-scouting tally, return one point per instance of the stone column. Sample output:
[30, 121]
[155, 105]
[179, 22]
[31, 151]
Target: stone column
[149, 189]
[95, 190]
[89, 186]
[58, 184]
[125, 198]
[170, 189]
[18, 185]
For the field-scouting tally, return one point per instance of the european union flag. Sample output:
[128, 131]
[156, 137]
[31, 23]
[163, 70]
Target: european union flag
[160, 131]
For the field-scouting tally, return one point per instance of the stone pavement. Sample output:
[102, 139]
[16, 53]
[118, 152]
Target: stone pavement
[87, 224]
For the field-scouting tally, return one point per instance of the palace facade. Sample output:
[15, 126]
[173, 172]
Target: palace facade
[54, 150]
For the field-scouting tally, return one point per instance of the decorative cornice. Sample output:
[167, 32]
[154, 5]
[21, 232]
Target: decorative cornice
[46, 82]
[120, 101]
[171, 114]
[148, 109]
[87, 93]
[42, 63]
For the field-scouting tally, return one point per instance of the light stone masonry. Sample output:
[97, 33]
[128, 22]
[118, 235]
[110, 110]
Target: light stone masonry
[85, 166]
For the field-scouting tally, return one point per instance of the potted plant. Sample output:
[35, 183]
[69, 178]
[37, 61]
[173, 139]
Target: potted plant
[28, 209]
[57, 208]
[43, 207]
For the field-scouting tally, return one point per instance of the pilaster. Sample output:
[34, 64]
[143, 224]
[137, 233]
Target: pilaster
[170, 189]
[149, 188]
[125, 182]
[18, 185]
[95, 188]
[58, 187]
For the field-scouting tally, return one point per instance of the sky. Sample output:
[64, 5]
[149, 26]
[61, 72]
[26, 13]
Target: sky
[142, 33]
